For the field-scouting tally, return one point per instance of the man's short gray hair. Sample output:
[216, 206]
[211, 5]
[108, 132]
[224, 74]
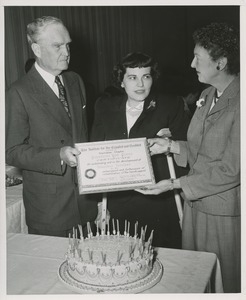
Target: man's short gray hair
[37, 26]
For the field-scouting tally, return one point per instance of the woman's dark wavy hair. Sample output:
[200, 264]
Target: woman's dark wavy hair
[220, 40]
[134, 60]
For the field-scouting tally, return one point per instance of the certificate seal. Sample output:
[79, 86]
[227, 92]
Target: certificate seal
[90, 173]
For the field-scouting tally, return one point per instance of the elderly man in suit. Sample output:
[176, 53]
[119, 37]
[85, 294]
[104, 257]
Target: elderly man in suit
[45, 116]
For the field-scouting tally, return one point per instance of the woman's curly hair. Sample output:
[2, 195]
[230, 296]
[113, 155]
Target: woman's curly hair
[220, 40]
[134, 60]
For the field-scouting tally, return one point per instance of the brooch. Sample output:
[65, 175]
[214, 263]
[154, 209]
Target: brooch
[151, 104]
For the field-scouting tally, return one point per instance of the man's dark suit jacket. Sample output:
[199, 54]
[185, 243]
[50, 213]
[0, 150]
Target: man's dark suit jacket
[158, 212]
[37, 126]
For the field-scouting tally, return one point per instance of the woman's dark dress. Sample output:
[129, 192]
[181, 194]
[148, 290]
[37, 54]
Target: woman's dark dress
[159, 213]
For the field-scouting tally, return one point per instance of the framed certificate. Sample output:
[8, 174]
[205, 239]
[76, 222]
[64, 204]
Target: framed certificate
[114, 165]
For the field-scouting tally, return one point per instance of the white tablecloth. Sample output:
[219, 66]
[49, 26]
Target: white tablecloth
[15, 210]
[33, 262]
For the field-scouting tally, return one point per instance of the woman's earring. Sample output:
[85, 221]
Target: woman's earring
[122, 85]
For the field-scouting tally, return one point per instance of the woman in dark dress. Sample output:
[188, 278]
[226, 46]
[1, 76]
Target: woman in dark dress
[139, 112]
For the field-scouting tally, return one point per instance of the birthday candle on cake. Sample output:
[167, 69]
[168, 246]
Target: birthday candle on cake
[89, 230]
[150, 238]
[69, 241]
[91, 233]
[113, 227]
[142, 250]
[136, 228]
[125, 228]
[128, 229]
[141, 235]
[81, 232]
[87, 224]
[97, 229]
[73, 237]
[118, 228]
[145, 230]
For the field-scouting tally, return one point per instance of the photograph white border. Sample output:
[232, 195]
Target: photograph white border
[3, 3]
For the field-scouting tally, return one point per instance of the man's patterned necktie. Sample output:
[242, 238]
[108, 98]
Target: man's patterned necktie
[62, 95]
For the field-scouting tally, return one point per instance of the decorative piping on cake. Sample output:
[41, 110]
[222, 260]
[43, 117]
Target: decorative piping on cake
[142, 246]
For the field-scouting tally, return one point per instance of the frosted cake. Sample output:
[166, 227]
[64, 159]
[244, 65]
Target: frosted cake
[110, 262]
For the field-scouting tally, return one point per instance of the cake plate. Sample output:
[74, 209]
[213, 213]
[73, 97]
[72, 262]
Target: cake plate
[129, 288]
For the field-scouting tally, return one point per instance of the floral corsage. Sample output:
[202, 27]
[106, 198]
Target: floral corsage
[152, 104]
[201, 102]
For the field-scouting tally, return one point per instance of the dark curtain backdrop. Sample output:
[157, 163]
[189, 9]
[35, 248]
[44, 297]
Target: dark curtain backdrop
[101, 35]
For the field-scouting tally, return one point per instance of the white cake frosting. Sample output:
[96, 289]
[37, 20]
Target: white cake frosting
[109, 260]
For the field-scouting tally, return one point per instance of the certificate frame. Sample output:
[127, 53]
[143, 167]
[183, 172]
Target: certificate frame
[114, 165]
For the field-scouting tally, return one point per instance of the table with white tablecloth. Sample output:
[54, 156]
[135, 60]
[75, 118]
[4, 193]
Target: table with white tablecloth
[33, 262]
[15, 210]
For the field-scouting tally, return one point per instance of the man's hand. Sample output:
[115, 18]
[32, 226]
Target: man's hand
[68, 156]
